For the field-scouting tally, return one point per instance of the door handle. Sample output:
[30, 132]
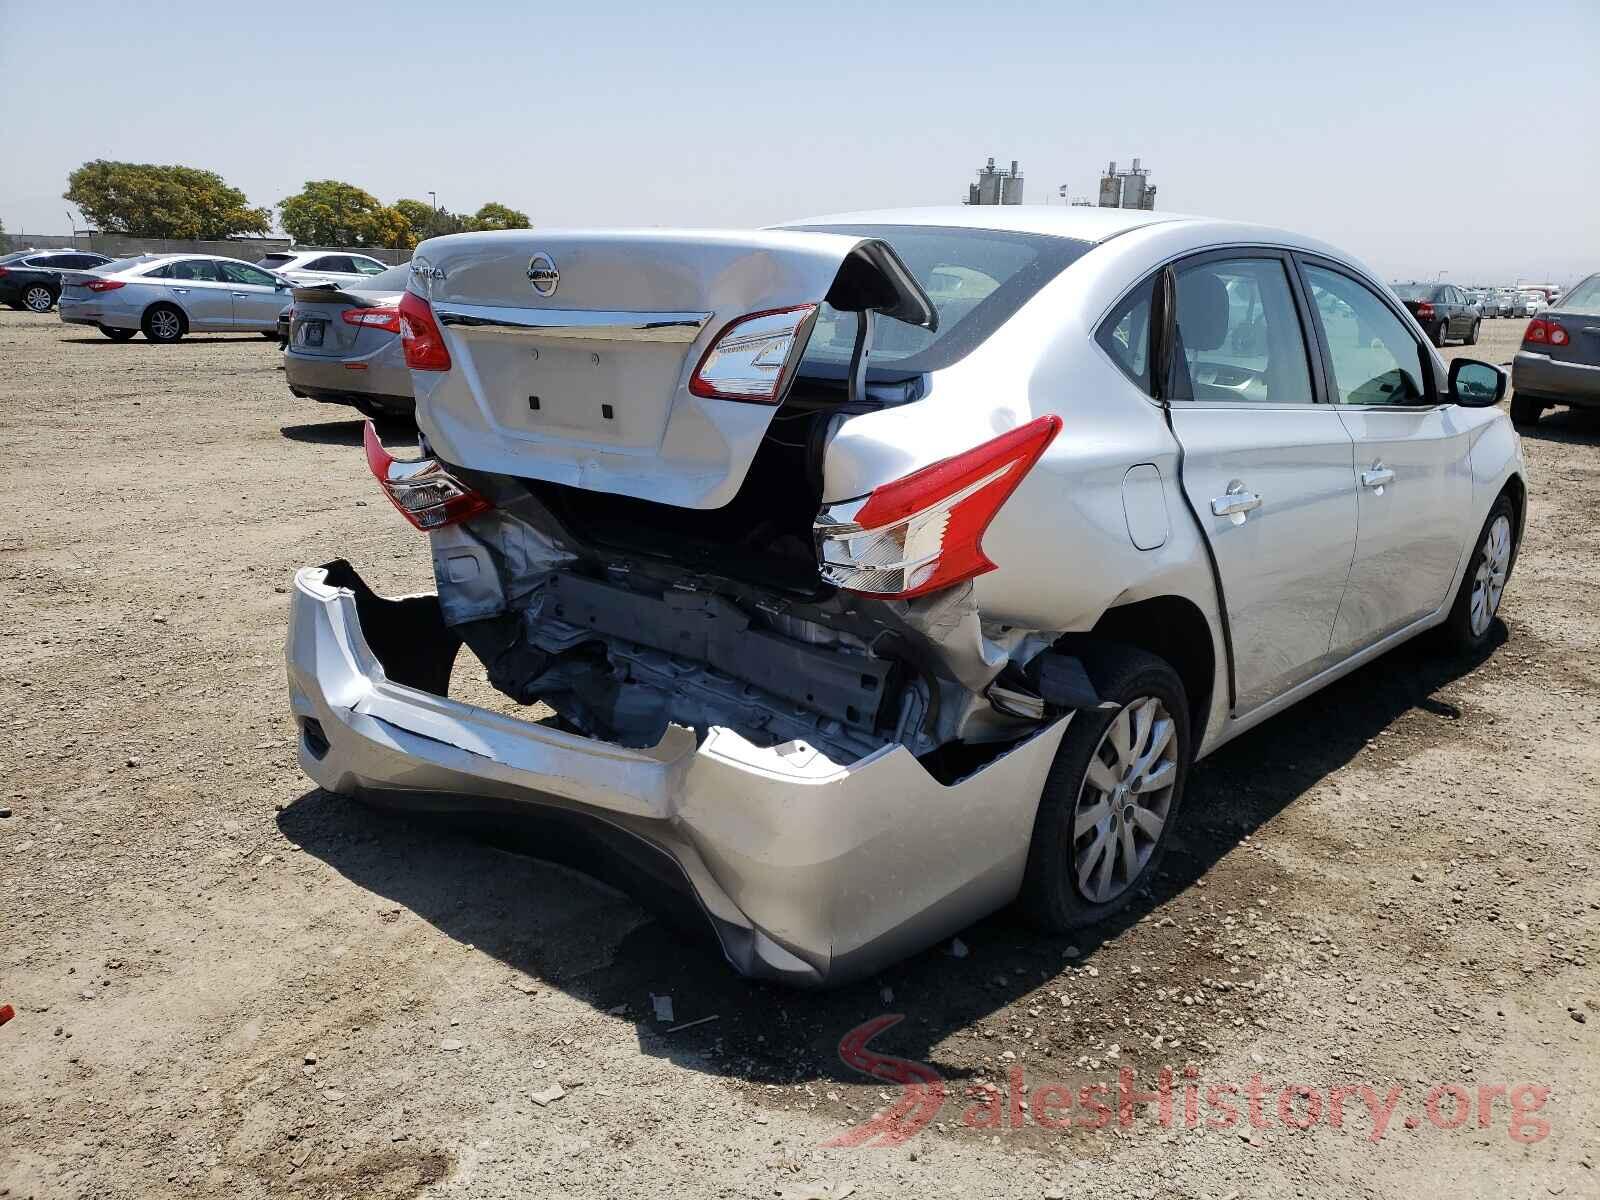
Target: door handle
[1235, 502]
[240, 295]
[1376, 478]
[181, 291]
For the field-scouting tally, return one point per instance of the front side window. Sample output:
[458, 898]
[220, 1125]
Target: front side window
[244, 273]
[1375, 359]
[1237, 335]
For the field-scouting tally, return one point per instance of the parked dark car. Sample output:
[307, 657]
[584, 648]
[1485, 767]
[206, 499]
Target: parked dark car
[1443, 311]
[1559, 362]
[31, 279]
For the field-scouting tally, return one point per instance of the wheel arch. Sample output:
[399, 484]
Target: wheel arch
[1174, 629]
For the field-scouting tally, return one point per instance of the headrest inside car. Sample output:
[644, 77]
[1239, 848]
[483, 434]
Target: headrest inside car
[1202, 310]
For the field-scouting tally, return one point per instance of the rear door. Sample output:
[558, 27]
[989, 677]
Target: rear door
[1267, 468]
[1412, 469]
[198, 288]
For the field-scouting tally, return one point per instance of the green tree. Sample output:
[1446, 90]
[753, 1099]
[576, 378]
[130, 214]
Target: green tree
[427, 221]
[498, 216]
[329, 212]
[153, 200]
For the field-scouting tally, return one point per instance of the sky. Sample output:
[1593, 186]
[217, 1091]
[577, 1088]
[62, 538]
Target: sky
[1458, 137]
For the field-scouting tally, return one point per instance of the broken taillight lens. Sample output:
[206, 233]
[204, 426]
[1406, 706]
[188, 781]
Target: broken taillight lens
[925, 531]
[755, 357]
[426, 494]
[421, 338]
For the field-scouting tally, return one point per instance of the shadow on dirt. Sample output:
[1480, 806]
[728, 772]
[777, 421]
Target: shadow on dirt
[486, 887]
[1575, 426]
[189, 339]
[392, 431]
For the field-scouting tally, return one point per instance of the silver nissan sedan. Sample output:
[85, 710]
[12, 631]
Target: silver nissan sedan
[880, 570]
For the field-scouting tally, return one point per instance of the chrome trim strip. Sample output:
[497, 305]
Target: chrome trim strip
[584, 324]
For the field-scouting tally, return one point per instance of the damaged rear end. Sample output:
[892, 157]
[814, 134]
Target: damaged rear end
[795, 703]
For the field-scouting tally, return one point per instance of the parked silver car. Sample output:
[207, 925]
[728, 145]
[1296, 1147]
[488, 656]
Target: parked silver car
[308, 266]
[886, 568]
[169, 295]
[344, 345]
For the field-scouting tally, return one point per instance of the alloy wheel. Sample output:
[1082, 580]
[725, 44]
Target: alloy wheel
[38, 299]
[1125, 799]
[1494, 565]
[165, 325]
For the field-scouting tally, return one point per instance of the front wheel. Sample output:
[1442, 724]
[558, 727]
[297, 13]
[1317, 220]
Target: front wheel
[1478, 600]
[1112, 796]
[116, 335]
[39, 299]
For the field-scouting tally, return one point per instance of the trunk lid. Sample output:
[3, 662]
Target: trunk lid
[572, 351]
[326, 305]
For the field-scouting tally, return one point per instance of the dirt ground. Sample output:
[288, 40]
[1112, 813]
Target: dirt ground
[228, 983]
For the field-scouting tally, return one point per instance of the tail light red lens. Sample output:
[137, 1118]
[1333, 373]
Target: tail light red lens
[1545, 333]
[422, 339]
[925, 531]
[1424, 311]
[1558, 335]
[104, 285]
[426, 494]
[755, 357]
[387, 319]
[5, 270]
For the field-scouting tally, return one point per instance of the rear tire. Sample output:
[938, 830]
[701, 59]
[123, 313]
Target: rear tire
[1472, 335]
[1525, 411]
[1117, 776]
[163, 323]
[1471, 621]
[39, 298]
[117, 335]
[1441, 333]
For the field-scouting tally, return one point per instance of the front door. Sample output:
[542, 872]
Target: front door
[1266, 467]
[1414, 479]
[257, 301]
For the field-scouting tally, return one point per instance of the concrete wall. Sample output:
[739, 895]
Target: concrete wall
[119, 246]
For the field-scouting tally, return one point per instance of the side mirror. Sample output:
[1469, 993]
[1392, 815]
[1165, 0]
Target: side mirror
[1475, 384]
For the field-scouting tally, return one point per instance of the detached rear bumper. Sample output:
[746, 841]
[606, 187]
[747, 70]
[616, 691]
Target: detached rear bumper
[808, 871]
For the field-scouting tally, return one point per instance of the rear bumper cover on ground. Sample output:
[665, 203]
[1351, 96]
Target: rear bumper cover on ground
[1544, 378]
[808, 871]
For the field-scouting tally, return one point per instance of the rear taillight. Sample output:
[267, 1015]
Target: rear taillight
[420, 335]
[925, 531]
[755, 357]
[426, 494]
[1424, 311]
[5, 271]
[1545, 333]
[377, 318]
[104, 285]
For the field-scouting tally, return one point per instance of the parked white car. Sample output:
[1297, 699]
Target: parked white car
[169, 295]
[886, 568]
[310, 266]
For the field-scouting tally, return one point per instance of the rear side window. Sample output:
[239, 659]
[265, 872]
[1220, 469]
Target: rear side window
[976, 278]
[332, 262]
[1238, 333]
[369, 267]
[1125, 335]
[1584, 299]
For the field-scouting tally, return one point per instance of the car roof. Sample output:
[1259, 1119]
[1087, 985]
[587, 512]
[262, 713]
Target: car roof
[1081, 222]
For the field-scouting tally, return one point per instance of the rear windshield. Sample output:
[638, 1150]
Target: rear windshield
[15, 255]
[1418, 291]
[976, 278]
[120, 264]
[1585, 298]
